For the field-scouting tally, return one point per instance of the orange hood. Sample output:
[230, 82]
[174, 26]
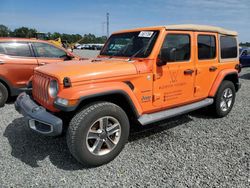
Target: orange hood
[84, 70]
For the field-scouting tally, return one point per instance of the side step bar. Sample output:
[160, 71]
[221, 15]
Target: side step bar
[158, 116]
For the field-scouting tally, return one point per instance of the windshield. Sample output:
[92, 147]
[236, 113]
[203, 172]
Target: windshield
[136, 44]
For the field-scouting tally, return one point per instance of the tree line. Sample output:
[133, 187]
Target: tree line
[246, 44]
[25, 32]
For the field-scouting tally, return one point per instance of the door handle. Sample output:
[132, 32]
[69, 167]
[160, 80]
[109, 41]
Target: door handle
[212, 69]
[188, 71]
[2, 62]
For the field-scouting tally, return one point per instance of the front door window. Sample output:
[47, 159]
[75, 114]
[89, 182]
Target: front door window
[48, 51]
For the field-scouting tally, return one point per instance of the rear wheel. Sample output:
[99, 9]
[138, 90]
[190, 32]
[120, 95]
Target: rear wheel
[98, 133]
[224, 99]
[3, 94]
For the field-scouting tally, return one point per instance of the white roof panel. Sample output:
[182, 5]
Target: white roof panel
[193, 27]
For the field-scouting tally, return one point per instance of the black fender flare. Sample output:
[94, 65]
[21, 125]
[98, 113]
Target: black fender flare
[97, 95]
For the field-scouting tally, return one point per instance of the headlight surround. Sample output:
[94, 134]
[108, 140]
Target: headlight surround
[53, 88]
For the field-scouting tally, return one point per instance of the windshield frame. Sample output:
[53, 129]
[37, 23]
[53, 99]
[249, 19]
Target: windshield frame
[156, 34]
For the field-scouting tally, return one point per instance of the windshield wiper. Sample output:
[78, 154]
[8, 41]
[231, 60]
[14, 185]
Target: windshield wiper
[136, 53]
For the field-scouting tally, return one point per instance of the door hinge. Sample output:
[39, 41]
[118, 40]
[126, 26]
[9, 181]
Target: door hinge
[196, 89]
[196, 71]
[156, 97]
[156, 76]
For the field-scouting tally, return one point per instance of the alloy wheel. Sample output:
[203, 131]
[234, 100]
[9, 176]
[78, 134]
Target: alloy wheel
[226, 99]
[103, 135]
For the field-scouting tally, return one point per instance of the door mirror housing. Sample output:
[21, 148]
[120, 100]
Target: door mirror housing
[161, 62]
[166, 55]
[70, 55]
[162, 57]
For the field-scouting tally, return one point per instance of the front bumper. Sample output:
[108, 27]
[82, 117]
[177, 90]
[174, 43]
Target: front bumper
[37, 117]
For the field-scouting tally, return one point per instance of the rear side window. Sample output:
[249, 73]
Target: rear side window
[15, 49]
[206, 47]
[177, 47]
[49, 51]
[228, 47]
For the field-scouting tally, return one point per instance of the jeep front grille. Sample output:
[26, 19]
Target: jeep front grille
[40, 85]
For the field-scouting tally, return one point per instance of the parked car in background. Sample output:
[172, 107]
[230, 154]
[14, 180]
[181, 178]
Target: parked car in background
[245, 57]
[97, 46]
[90, 46]
[19, 57]
[79, 47]
[86, 46]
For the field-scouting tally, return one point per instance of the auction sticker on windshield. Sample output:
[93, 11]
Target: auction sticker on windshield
[147, 34]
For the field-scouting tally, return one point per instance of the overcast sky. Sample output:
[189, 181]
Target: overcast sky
[84, 16]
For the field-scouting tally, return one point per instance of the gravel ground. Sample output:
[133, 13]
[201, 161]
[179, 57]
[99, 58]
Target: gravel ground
[193, 150]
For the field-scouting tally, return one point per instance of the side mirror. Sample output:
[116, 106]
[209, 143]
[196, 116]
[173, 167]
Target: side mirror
[166, 55]
[70, 55]
[160, 62]
[163, 57]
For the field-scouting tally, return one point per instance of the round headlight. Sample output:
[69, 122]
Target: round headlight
[53, 88]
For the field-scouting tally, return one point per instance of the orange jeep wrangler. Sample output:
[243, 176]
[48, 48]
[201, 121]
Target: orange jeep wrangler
[143, 75]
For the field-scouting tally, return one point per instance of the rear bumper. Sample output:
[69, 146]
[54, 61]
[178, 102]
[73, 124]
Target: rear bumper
[38, 119]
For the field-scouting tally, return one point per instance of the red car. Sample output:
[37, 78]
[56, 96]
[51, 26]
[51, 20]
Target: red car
[19, 57]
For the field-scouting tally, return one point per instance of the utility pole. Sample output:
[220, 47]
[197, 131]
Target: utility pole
[107, 24]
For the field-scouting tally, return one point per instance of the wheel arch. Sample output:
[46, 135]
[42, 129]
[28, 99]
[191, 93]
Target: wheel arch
[118, 97]
[233, 78]
[230, 75]
[118, 93]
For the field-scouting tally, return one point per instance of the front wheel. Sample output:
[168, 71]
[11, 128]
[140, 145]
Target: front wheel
[224, 99]
[98, 133]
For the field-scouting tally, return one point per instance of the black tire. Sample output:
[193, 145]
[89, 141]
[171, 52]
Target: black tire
[3, 94]
[82, 122]
[217, 108]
